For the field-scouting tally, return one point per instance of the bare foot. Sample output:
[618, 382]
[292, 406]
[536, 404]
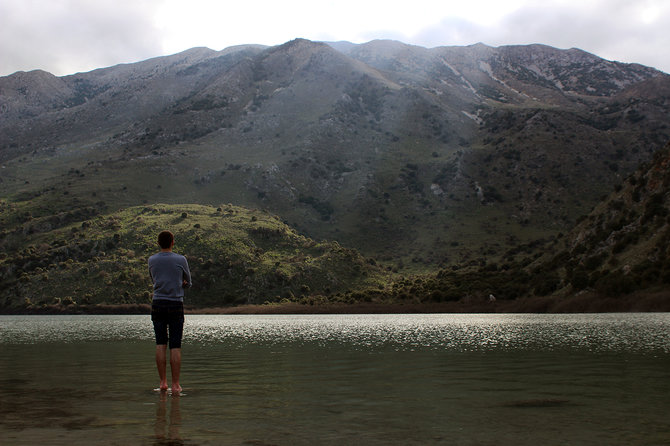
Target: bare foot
[176, 389]
[163, 386]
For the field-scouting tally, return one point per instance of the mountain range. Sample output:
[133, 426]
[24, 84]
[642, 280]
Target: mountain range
[418, 158]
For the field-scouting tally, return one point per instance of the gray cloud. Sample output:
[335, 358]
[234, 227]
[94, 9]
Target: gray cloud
[610, 29]
[452, 31]
[65, 36]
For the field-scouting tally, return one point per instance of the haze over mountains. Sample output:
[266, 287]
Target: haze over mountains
[418, 157]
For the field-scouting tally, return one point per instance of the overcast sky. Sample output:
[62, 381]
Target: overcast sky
[68, 36]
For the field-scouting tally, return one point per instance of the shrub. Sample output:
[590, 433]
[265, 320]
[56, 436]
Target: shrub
[546, 284]
[579, 280]
[654, 207]
[615, 284]
[594, 262]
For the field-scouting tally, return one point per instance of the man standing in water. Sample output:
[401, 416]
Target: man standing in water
[170, 276]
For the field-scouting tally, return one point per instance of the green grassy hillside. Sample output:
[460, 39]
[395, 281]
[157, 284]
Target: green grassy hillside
[237, 256]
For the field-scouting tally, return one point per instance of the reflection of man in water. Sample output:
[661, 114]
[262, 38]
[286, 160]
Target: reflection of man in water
[170, 275]
[164, 428]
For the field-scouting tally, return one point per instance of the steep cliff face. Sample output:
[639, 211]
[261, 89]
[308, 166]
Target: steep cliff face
[432, 156]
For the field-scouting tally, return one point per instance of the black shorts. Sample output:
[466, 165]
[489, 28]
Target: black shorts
[168, 319]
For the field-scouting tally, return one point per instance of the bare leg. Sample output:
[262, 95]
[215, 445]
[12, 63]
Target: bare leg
[161, 364]
[175, 368]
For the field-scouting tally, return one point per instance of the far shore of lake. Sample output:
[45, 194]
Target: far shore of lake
[584, 303]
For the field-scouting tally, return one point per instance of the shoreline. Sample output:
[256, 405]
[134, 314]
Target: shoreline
[584, 303]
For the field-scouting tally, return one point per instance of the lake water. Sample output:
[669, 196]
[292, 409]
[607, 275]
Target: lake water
[339, 380]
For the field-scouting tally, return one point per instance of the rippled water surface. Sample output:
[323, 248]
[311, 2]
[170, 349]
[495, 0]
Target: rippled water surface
[361, 379]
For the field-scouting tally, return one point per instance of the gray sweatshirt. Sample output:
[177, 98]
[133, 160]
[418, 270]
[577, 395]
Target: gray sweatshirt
[168, 270]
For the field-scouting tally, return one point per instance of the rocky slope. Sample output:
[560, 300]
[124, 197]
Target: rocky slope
[617, 258]
[623, 244]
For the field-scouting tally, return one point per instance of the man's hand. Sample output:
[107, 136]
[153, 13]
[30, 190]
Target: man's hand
[184, 284]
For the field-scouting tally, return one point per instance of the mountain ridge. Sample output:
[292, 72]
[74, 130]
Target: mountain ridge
[419, 157]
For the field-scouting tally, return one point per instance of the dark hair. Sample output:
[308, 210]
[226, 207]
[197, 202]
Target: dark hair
[165, 239]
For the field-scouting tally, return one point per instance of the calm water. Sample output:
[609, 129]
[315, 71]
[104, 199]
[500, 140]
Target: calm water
[338, 380]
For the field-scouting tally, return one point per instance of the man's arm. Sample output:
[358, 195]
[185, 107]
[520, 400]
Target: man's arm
[186, 277]
[150, 275]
